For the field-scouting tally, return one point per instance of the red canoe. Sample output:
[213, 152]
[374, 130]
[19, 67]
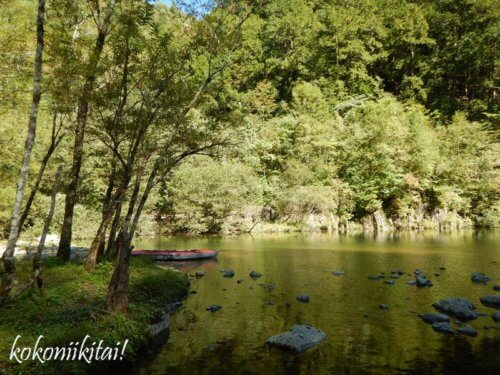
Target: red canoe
[178, 254]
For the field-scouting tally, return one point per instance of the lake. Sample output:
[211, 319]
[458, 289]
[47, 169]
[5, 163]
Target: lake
[361, 338]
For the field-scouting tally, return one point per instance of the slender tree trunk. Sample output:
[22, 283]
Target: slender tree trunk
[8, 257]
[111, 247]
[91, 259]
[53, 145]
[108, 203]
[37, 264]
[64, 249]
[37, 276]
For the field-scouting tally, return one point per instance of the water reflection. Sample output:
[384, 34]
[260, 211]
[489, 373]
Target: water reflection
[360, 337]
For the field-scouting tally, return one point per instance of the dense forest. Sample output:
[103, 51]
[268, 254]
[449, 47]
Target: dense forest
[234, 116]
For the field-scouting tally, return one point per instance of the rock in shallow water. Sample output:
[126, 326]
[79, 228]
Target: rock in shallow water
[491, 301]
[383, 306]
[421, 280]
[411, 282]
[338, 273]
[458, 307]
[200, 273]
[496, 288]
[389, 282]
[214, 308]
[303, 298]
[227, 273]
[434, 318]
[255, 275]
[443, 327]
[496, 317]
[468, 331]
[299, 338]
[478, 277]
[374, 277]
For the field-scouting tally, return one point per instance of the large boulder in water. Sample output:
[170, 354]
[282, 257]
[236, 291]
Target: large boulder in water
[478, 277]
[458, 307]
[300, 338]
[433, 318]
[491, 301]
[443, 327]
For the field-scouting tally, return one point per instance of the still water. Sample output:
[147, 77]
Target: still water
[361, 338]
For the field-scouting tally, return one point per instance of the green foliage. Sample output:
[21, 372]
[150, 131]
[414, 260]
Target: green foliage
[74, 295]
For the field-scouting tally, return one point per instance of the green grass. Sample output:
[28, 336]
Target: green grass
[73, 306]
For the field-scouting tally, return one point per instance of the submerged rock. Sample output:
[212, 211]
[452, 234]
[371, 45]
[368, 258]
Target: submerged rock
[421, 280]
[383, 306]
[395, 276]
[399, 272]
[389, 282]
[214, 308]
[338, 273]
[496, 317]
[478, 277]
[496, 288]
[467, 330]
[411, 282]
[303, 298]
[443, 327]
[491, 301]
[200, 274]
[458, 307]
[227, 273]
[434, 318]
[269, 287]
[374, 277]
[255, 275]
[442, 268]
[298, 339]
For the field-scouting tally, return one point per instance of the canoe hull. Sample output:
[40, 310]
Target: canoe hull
[172, 255]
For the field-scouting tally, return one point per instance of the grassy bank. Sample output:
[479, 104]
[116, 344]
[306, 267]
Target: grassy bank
[73, 306]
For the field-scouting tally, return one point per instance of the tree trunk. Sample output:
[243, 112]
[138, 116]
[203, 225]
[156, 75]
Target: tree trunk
[108, 203]
[37, 276]
[8, 256]
[53, 145]
[91, 259]
[64, 249]
[37, 264]
[111, 250]
[117, 297]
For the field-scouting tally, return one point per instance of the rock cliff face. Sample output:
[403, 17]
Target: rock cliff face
[266, 220]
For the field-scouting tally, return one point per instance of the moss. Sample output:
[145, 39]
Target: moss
[73, 306]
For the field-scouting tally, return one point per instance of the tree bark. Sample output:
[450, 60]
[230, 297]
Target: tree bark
[56, 139]
[64, 249]
[111, 250]
[117, 297]
[37, 275]
[37, 265]
[8, 257]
